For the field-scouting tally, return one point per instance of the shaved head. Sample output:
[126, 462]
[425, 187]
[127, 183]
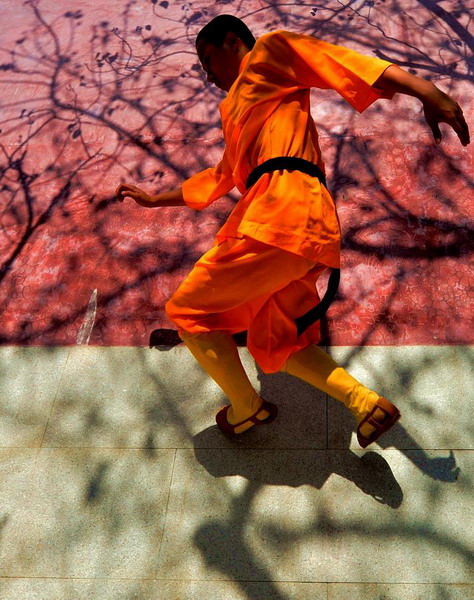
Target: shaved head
[215, 31]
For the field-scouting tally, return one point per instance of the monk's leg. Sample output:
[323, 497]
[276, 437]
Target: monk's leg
[217, 353]
[221, 296]
[317, 368]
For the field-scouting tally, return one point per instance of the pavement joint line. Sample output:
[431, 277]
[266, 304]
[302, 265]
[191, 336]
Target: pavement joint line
[165, 517]
[53, 404]
[293, 581]
[52, 577]
[303, 448]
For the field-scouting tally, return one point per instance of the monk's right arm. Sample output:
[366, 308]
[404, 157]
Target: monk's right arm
[172, 198]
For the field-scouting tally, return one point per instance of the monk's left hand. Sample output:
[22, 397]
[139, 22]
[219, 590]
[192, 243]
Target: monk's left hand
[441, 108]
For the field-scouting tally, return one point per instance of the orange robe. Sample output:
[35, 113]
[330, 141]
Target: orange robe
[267, 114]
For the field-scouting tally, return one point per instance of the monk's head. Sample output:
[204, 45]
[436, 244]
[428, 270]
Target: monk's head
[221, 45]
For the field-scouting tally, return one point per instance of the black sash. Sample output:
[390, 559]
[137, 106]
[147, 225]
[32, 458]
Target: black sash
[293, 163]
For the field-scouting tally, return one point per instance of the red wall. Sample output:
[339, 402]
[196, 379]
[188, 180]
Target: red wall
[100, 93]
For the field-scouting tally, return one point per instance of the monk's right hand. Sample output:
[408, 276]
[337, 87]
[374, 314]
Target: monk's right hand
[126, 190]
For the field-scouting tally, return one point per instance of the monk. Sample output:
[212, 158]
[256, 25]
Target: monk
[260, 275]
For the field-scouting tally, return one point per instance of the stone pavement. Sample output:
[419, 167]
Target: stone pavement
[117, 485]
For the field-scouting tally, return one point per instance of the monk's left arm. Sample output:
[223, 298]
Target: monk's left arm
[438, 106]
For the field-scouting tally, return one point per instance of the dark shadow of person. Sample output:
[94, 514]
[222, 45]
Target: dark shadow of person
[304, 459]
[438, 468]
[302, 428]
[295, 467]
[273, 387]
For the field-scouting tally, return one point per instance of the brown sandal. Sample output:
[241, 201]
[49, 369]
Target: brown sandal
[226, 427]
[390, 417]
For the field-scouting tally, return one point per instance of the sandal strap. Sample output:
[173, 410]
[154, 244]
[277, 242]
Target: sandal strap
[253, 418]
[223, 422]
[391, 416]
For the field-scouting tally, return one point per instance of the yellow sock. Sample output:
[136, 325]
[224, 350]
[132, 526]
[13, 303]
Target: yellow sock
[217, 353]
[318, 369]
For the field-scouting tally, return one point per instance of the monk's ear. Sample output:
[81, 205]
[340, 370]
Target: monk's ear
[232, 41]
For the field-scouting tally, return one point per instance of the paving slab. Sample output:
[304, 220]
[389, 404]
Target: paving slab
[313, 515]
[76, 589]
[29, 379]
[137, 397]
[83, 512]
[382, 591]
[429, 384]
[128, 397]
[83, 589]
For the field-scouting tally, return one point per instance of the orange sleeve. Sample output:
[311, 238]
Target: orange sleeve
[209, 185]
[313, 63]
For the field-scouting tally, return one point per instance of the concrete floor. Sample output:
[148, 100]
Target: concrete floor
[116, 483]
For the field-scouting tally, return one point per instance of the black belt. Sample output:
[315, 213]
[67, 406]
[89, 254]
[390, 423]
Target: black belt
[290, 163]
[293, 163]
[315, 313]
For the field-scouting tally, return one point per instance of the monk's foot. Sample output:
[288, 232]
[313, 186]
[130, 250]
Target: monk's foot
[380, 419]
[260, 414]
[228, 422]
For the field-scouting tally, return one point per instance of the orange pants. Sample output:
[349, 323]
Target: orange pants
[243, 284]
